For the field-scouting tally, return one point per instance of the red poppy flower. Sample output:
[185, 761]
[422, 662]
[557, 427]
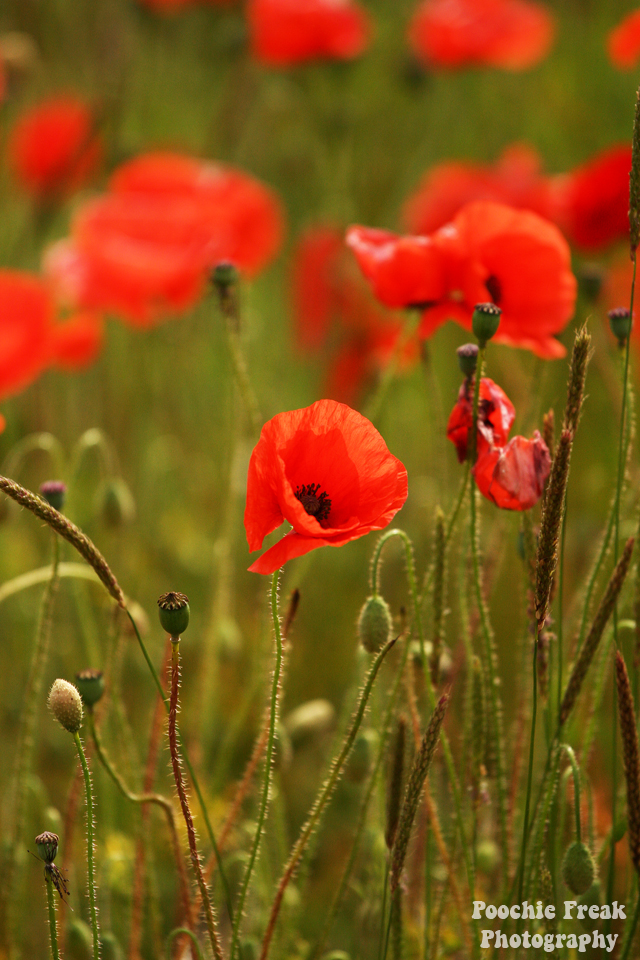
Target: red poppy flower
[592, 202]
[496, 414]
[513, 476]
[53, 148]
[516, 180]
[77, 341]
[334, 312]
[510, 34]
[328, 472]
[623, 42]
[490, 252]
[144, 249]
[288, 32]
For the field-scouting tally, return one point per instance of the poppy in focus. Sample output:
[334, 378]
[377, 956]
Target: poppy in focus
[143, 249]
[488, 253]
[509, 34]
[285, 33]
[592, 201]
[623, 42]
[496, 414]
[513, 476]
[53, 148]
[328, 472]
[335, 313]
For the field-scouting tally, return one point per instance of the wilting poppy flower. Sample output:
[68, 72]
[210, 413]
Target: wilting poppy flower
[513, 476]
[53, 148]
[335, 313]
[510, 34]
[623, 42]
[289, 32]
[496, 414]
[516, 180]
[143, 249]
[328, 472]
[592, 201]
[489, 252]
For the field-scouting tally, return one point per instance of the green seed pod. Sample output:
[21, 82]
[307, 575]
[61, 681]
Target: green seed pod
[620, 322]
[485, 321]
[225, 274]
[116, 503]
[90, 684]
[79, 940]
[174, 613]
[590, 899]
[578, 868]
[55, 493]
[47, 844]
[374, 624]
[467, 359]
[66, 705]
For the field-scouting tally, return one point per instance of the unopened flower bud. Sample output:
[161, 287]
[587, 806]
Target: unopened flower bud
[47, 844]
[620, 322]
[90, 685]
[174, 613]
[54, 492]
[590, 278]
[485, 321]
[468, 359]
[310, 721]
[374, 624]
[66, 705]
[225, 274]
[116, 503]
[110, 949]
[578, 868]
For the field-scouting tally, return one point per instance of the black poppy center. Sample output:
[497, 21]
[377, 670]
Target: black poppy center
[316, 504]
[494, 288]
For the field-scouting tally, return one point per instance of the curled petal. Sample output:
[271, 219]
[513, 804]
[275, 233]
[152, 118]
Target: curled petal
[513, 476]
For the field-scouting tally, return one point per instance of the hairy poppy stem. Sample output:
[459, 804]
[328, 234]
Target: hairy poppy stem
[53, 921]
[184, 801]
[266, 784]
[91, 881]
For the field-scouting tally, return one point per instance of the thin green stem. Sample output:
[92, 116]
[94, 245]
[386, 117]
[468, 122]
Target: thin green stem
[534, 713]
[192, 773]
[93, 909]
[629, 932]
[576, 786]
[53, 924]
[266, 784]
[182, 931]
[373, 408]
[560, 604]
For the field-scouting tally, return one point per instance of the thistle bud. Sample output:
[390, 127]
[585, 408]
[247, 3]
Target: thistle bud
[66, 705]
[374, 624]
[620, 321]
[90, 685]
[468, 359]
[174, 613]
[55, 493]
[485, 322]
[47, 844]
[578, 868]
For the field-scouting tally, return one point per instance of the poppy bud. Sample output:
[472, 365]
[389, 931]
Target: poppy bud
[578, 868]
[468, 359]
[54, 492]
[620, 322]
[117, 505]
[249, 949]
[79, 940]
[90, 685]
[374, 624]
[590, 281]
[225, 274]
[66, 705]
[110, 949]
[485, 321]
[174, 613]
[47, 844]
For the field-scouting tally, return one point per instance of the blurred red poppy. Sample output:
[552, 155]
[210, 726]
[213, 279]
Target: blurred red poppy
[513, 476]
[77, 340]
[510, 34]
[496, 414]
[623, 42]
[592, 201]
[54, 148]
[328, 472]
[516, 180]
[334, 313]
[285, 33]
[143, 250]
[489, 251]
